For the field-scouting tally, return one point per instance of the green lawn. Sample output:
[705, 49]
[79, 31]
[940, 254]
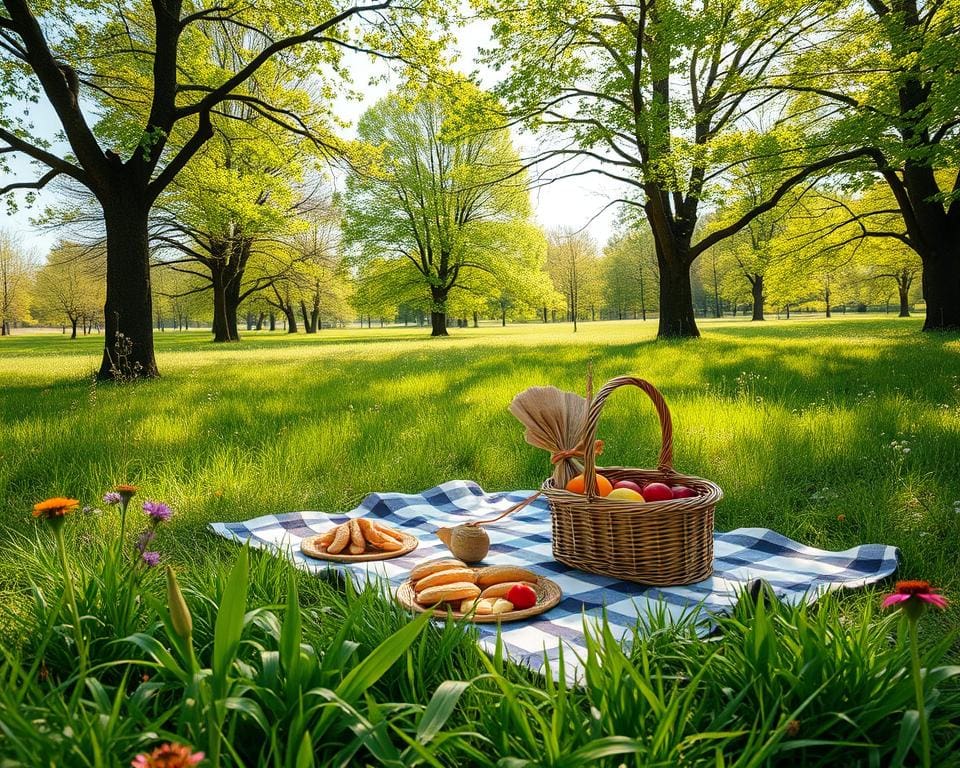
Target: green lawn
[834, 432]
[795, 420]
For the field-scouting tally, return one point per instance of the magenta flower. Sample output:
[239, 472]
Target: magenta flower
[112, 497]
[151, 558]
[159, 511]
[913, 595]
[912, 598]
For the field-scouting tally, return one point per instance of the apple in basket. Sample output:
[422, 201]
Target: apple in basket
[628, 484]
[657, 492]
[683, 492]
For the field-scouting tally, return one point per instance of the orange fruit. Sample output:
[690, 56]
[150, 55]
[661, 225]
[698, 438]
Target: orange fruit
[576, 485]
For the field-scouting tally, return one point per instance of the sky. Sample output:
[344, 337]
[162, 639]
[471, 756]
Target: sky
[571, 203]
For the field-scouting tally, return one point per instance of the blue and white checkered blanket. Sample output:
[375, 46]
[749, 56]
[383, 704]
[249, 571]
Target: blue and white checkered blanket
[796, 572]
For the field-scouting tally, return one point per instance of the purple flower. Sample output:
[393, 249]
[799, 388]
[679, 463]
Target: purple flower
[112, 497]
[143, 540]
[151, 558]
[157, 510]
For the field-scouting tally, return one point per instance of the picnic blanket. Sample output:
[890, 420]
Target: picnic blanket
[794, 571]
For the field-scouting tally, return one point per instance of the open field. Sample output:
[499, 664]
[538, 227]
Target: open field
[795, 421]
[835, 433]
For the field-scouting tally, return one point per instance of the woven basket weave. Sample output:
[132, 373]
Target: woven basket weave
[663, 543]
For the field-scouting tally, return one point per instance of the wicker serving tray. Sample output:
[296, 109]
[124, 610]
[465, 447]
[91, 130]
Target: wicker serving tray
[548, 595]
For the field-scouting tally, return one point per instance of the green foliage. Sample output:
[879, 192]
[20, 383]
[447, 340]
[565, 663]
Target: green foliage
[776, 686]
[439, 199]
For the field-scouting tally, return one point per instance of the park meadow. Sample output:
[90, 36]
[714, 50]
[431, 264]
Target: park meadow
[834, 433]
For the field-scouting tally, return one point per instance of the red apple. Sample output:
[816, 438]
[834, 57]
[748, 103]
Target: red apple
[628, 484]
[657, 492]
[683, 492]
[522, 596]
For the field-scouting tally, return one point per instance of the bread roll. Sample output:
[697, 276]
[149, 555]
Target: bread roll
[432, 566]
[498, 574]
[340, 540]
[448, 592]
[449, 576]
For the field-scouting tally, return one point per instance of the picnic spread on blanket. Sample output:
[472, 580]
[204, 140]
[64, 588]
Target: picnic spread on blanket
[536, 569]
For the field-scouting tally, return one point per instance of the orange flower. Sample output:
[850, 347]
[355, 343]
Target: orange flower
[168, 756]
[126, 488]
[55, 507]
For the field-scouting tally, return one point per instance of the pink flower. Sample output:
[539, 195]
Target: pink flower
[168, 756]
[913, 597]
[157, 510]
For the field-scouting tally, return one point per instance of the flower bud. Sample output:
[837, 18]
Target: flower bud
[179, 612]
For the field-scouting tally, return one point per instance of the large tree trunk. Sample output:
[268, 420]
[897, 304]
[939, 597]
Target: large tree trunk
[291, 316]
[904, 291]
[128, 310]
[756, 290]
[438, 312]
[73, 328]
[221, 309]
[273, 322]
[941, 288]
[676, 299]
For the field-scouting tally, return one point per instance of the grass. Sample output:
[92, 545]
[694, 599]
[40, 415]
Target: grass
[795, 421]
[835, 433]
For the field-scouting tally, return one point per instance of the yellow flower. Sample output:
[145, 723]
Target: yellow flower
[55, 507]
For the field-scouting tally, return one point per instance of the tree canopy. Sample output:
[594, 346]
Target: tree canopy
[441, 195]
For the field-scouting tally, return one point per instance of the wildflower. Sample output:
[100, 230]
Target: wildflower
[168, 756]
[157, 510]
[112, 498]
[914, 596]
[152, 559]
[793, 728]
[179, 611]
[54, 508]
[126, 491]
[143, 541]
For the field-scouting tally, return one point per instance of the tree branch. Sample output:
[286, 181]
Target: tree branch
[38, 184]
[828, 162]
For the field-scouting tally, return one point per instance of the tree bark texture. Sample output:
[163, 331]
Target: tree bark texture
[128, 310]
[438, 312]
[756, 290]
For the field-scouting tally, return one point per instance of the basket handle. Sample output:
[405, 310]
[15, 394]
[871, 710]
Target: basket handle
[665, 462]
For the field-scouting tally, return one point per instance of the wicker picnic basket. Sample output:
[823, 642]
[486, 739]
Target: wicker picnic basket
[661, 543]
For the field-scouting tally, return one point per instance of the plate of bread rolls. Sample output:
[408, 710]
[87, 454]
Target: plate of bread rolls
[357, 541]
[493, 593]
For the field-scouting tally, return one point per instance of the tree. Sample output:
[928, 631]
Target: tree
[16, 275]
[657, 96]
[835, 233]
[574, 268]
[442, 192]
[630, 272]
[885, 77]
[70, 285]
[238, 194]
[134, 52]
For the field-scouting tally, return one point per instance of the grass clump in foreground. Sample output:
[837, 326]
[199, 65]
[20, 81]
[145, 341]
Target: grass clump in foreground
[263, 666]
[833, 433]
